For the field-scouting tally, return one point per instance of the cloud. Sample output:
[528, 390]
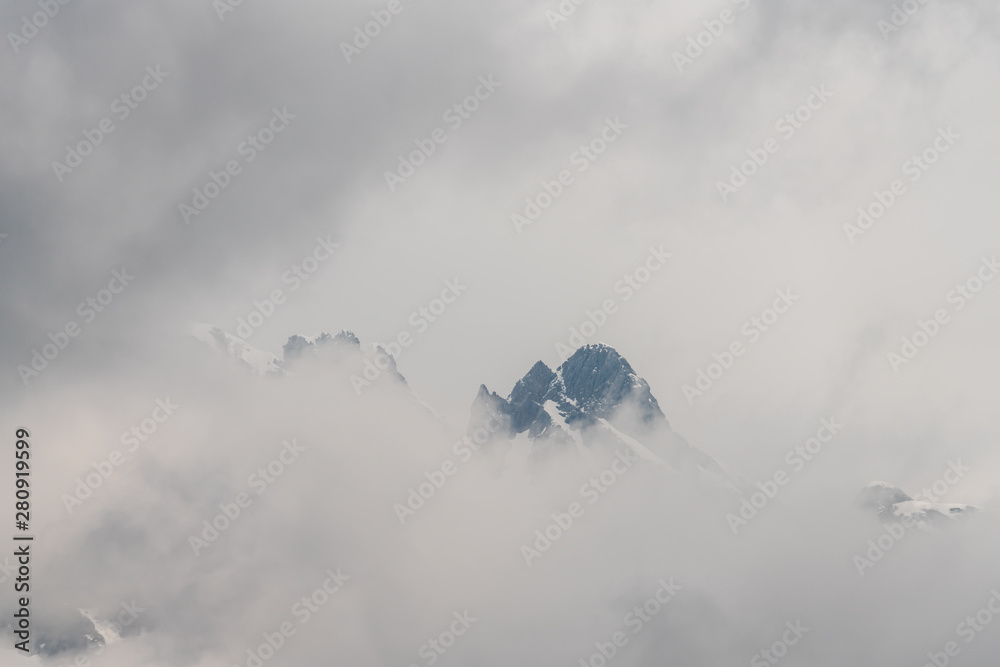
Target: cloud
[322, 180]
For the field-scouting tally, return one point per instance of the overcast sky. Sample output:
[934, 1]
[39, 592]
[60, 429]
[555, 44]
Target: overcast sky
[681, 117]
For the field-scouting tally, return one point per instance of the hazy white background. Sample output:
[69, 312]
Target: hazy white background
[655, 186]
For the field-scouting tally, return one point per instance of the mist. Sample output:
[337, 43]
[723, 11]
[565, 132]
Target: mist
[778, 213]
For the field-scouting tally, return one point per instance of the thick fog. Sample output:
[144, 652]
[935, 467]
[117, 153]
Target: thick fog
[779, 213]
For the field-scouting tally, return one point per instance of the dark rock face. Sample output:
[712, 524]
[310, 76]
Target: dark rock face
[391, 370]
[528, 397]
[294, 348]
[595, 383]
[297, 345]
[598, 380]
[592, 384]
[335, 347]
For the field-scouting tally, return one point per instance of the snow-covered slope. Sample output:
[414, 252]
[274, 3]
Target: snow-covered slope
[259, 362]
[890, 503]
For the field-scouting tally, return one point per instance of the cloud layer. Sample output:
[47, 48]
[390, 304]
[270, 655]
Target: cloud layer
[740, 138]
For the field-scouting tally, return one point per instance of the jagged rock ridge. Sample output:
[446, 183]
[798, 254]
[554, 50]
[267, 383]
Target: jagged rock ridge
[595, 387]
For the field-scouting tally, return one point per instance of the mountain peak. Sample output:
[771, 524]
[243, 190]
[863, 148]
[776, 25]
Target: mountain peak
[878, 496]
[594, 397]
[298, 345]
[598, 380]
[890, 503]
[344, 346]
[598, 348]
[592, 384]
